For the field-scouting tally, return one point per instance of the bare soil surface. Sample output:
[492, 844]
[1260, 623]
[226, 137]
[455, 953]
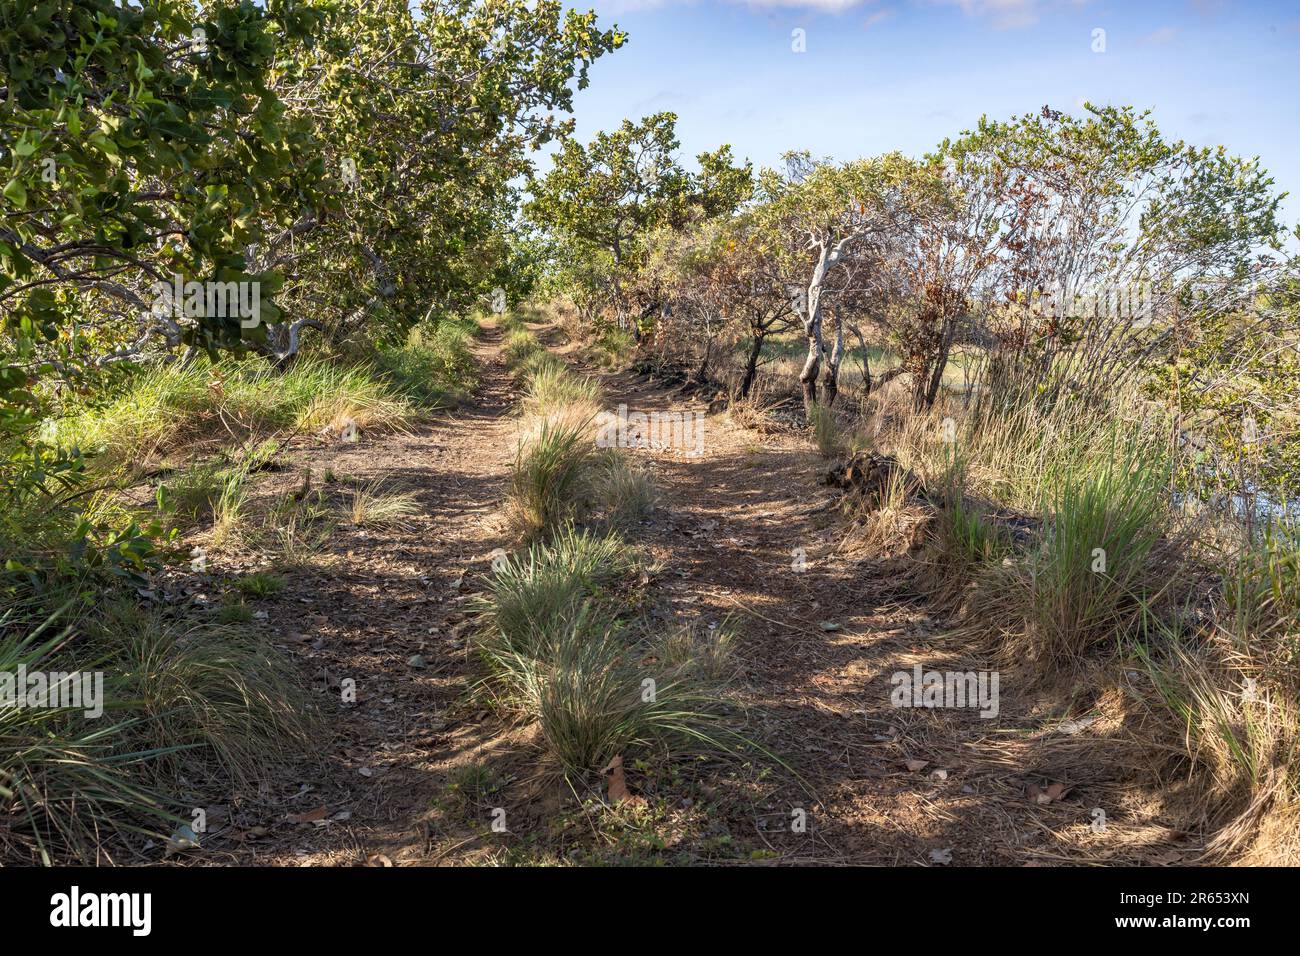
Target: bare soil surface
[416, 770]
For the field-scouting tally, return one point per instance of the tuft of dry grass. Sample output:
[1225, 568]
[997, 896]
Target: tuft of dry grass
[559, 476]
[623, 493]
[374, 506]
[221, 690]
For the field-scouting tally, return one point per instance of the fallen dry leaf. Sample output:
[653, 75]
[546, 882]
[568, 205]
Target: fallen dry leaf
[309, 816]
[1054, 792]
[618, 791]
[915, 765]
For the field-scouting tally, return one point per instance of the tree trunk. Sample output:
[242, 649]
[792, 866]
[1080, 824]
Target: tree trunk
[701, 375]
[927, 385]
[812, 327]
[751, 364]
[625, 322]
[808, 377]
[831, 378]
[866, 359]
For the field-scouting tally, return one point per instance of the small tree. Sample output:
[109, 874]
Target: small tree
[1091, 211]
[608, 195]
[815, 215]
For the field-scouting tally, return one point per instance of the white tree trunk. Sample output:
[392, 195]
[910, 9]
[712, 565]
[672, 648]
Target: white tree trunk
[812, 326]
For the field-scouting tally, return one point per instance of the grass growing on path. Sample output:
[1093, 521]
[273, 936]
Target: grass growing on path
[559, 632]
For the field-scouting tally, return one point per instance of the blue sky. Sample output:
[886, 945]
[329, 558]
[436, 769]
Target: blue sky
[902, 74]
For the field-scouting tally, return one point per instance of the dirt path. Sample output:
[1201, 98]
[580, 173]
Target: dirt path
[748, 536]
[384, 608]
[817, 647]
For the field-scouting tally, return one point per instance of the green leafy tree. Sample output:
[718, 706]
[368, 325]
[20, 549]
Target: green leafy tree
[1091, 210]
[604, 197]
[141, 144]
[424, 121]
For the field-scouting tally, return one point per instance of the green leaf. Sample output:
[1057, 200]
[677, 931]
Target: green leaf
[16, 193]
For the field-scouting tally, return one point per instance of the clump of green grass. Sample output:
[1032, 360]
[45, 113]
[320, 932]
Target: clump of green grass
[594, 697]
[434, 366]
[531, 591]
[539, 362]
[297, 530]
[552, 385]
[218, 690]
[1234, 697]
[173, 694]
[1084, 586]
[961, 540]
[67, 782]
[165, 408]
[260, 584]
[614, 347]
[550, 480]
[969, 536]
[623, 492]
[215, 491]
[519, 345]
[825, 430]
[234, 613]
[193, 492]
[559, 476]
[558, 650]
[706, 651]
[323, 394]
[554, 637]
[1262, 583]
[468, 786]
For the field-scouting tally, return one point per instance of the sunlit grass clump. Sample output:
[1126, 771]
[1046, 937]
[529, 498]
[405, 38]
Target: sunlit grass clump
[165, 408]
[592, 680]
[529, 592]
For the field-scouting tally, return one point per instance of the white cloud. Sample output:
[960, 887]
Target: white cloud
[1004, 14]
